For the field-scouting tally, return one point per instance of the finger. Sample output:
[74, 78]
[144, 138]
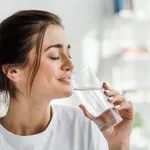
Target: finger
[126, 110]
[127, 105]
[111, 92]
[108, 91]
[117, 99]
[105, 86]
[86, 113]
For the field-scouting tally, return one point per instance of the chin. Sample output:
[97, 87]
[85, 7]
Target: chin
[65, 94]
[68, 93]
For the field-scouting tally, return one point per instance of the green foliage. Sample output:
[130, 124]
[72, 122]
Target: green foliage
[138, 122]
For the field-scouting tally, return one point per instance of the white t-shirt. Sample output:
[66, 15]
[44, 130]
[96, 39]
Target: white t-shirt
[69, 129]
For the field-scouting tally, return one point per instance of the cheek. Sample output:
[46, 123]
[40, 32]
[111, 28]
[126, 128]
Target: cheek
[47, 71]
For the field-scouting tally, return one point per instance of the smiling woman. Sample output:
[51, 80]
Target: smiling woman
[27, 31]
[35, 68]
[35, 61]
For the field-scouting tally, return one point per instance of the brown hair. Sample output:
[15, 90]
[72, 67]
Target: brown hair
[16, 41]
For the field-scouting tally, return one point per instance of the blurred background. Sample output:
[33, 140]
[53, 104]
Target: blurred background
[111, 36]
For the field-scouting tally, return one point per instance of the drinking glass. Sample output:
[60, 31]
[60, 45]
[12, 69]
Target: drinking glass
[91, 94]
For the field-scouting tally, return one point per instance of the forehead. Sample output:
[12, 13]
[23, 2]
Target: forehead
[54, 34]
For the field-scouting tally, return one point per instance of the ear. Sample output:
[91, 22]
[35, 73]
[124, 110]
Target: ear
[11, 72]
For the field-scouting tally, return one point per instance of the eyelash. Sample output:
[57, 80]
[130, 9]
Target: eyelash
[56, 58]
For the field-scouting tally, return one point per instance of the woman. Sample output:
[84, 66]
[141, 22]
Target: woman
[36, 68]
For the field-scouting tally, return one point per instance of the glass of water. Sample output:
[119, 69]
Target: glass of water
[91, 94]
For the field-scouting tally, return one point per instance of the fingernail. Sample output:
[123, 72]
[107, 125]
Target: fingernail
[117, 106]
[107, 91]
[110, 98]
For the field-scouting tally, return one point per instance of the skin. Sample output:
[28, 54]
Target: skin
[52, 82]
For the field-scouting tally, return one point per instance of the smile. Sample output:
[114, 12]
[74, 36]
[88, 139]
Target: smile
[65, 81]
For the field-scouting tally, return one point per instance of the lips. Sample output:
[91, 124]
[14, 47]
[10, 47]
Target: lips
[65, 80]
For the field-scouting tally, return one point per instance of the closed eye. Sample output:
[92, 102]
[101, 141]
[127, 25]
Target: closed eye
[54, 58]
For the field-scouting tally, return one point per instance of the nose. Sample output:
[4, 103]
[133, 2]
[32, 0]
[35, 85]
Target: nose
[67, 65]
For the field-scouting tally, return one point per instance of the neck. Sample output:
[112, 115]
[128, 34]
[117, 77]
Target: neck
[27, 117]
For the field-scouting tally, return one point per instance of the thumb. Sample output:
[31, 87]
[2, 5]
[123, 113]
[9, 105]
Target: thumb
[86, 113]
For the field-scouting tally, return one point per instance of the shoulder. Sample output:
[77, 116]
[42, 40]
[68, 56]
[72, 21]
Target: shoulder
[73, 118]
[69, 112]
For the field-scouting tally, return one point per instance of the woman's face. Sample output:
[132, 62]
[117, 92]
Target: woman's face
[53, 77]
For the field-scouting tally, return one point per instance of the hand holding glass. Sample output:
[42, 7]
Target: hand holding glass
[91, 94]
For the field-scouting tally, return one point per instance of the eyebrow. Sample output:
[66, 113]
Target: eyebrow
[57, 46]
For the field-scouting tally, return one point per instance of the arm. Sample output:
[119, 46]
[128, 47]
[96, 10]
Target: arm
[123, 146]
